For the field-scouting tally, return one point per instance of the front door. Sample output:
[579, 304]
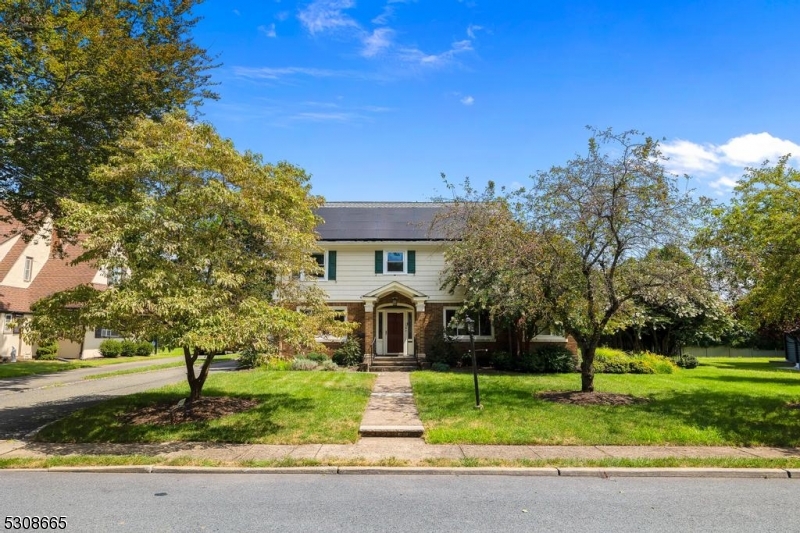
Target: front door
[394, 333]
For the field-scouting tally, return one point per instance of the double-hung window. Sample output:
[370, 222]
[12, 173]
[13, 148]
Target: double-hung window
[28, 273]
[456, 328]
[395, 262]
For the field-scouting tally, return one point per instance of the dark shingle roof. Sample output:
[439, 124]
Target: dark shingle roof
[378, 221]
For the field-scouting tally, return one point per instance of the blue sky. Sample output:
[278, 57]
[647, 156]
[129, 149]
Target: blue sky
[376, 98]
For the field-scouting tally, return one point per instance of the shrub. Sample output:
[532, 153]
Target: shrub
[277, 363]
[443, 350]
[503, 361]
[251, 358]
[144, 348]
[349, 353]
[110, 348]
[47, 351]
[549, 359]
[685, 360]
[329, 366]
[127, 348]
[440, 367]
[303, 364]
[611, 361]
[317, 357]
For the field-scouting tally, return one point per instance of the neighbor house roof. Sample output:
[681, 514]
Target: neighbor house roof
[57, 274]
[379, 221]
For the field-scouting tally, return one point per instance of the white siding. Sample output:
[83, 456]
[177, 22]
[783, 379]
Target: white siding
[355, 271]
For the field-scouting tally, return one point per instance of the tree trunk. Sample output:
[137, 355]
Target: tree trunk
[587, 366]
[196, 382]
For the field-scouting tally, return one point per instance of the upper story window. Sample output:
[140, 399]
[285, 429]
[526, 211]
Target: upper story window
[327, 264]
[28, 273]
[456, 328]
[395, 261]
[320, 259]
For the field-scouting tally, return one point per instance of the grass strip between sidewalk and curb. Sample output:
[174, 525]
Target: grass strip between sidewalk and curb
[462, 465]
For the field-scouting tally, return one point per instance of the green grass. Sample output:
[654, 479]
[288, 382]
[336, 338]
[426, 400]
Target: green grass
[294, 408]
[153, 368]
[289, 462]
[723, 402]
[31, 368]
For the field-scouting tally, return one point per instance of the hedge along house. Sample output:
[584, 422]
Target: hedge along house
[29, 271]
[382, 266]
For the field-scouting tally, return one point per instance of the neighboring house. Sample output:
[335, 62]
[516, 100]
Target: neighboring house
[382, 268]
[29, 272]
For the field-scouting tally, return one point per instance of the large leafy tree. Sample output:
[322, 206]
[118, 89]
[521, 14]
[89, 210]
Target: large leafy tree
[609, 208]
[755, 243]
[202, 249]
[501, 265]
[74, 75]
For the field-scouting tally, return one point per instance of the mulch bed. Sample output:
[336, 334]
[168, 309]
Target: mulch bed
[590, 398]
[203, 410]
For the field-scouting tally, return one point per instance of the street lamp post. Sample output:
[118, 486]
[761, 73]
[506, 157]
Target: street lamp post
[471, 330]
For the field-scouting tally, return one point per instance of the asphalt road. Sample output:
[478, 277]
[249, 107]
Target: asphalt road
[401, 503]
[26, 406]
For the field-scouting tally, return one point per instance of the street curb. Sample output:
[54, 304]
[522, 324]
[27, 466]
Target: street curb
[448, 471]
[603, 473]
[139, 469]
[763, 473]
[244, 470]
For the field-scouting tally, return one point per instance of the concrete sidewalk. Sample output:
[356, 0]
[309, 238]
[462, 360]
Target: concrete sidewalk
[384, 449]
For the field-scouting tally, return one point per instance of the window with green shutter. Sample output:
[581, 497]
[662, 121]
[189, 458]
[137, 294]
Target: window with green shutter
[412, 262]
[379, 261]
[331, 265]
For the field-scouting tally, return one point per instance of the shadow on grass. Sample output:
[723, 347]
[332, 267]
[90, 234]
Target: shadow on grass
[741, 419]
[676, 417]
[777, 380]
[102, 423]
[774, 365]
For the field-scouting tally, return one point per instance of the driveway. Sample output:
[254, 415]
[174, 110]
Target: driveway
[27, 404]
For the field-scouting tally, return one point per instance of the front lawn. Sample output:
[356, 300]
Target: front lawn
[723, 402]
[294, 408]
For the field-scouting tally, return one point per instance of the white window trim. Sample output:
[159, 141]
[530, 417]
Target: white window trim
[465, 337]
[106, 333]
[27, 273]
[324, 276]
[331, 338]
[386, 262]
[7, 319]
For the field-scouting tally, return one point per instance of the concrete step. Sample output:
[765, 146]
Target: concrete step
[390, 431]
[392, 368]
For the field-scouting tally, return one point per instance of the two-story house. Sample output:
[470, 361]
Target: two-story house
[29, 271]
[382, 266]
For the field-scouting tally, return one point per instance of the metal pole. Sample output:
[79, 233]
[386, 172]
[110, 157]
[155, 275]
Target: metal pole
[470, 328]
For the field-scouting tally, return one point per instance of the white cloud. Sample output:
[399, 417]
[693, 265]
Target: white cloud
[754, 148]
[385, 15]
[723, 182]
[327, 15]
[268, 73]
[750, 149]
[686, 157]
[415, 55]
[325, 117]
[376, 42]
[471, 29]
[236, 12]
[269, 31]
[468, 100]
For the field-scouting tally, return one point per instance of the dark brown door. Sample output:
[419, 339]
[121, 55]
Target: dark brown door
[394, 333]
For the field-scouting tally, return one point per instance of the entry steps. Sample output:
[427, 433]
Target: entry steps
[393, 363]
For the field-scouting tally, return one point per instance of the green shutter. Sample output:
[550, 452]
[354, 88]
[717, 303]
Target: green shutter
[412, 262]
[331, 265]
[379, 261]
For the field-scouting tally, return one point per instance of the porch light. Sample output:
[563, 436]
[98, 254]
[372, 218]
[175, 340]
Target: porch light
[471, 331]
